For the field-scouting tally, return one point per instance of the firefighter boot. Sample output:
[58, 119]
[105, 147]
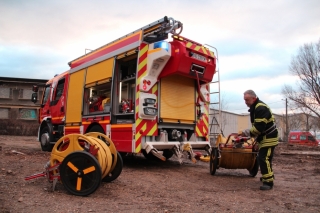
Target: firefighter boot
[262, 179]
[266, 186]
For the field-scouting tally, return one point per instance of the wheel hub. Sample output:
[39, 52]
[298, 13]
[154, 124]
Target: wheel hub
[44, 139]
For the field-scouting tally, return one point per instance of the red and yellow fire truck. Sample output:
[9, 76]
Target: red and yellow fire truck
[147, 92]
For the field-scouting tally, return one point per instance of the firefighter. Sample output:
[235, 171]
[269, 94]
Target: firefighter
[266, 134]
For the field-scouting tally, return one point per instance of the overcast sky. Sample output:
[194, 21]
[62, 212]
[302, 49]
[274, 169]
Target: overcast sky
[256, 40]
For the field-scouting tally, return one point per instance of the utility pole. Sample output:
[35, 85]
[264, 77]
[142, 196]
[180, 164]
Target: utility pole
[287, 126]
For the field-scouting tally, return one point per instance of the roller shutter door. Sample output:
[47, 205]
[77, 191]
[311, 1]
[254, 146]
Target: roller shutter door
[177, 99]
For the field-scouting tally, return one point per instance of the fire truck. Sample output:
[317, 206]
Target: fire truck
[148, 91]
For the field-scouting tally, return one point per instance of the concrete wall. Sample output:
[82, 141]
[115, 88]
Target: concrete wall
[229, 122]
[18, 115]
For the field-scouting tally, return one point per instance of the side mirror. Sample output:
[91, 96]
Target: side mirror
[34, 97]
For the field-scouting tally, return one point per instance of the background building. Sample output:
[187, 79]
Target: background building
[18, 115]
[228, 122]
[233, 123]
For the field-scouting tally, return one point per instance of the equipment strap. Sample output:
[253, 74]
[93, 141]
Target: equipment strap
[270, 130]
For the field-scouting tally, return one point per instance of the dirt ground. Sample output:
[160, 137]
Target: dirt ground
[152, 186]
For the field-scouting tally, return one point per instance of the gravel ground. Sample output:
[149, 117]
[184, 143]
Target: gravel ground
[154, 186]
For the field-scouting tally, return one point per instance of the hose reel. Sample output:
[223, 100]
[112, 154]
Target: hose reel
[81, 162]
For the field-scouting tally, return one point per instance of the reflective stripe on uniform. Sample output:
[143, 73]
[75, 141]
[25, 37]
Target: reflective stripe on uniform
[269, 176]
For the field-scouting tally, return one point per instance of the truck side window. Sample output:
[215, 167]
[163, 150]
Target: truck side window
[127, 91]
[97, 99]
[46, 94]
[303, 137]
[127, 86]
[59, 90]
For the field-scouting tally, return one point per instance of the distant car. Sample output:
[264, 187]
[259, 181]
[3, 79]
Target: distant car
[302, 138]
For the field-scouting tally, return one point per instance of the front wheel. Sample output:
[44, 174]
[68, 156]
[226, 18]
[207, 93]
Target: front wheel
[214, 161]
[45, 140]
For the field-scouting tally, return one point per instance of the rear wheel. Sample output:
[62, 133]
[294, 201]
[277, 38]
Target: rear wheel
[97, 128]
[123, 154]
[45, 140]
[213, 161]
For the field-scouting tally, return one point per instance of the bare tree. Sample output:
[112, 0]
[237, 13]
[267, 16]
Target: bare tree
[297, 122]
[306, 65]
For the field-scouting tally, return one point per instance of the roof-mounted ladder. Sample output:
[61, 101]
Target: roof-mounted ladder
[215, 105]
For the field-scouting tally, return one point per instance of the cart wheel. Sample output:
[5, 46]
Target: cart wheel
[254, 171]
[80, 173]
[213, 161]
[114, 174]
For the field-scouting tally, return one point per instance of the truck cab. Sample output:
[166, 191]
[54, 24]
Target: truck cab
[52, 111]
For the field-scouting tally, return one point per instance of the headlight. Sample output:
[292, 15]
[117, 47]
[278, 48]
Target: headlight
[150, 111]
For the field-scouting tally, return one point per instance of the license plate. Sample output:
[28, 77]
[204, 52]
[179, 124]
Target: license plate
[199, 57]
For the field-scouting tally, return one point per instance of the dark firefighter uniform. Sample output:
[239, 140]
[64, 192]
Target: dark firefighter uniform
[266, 133]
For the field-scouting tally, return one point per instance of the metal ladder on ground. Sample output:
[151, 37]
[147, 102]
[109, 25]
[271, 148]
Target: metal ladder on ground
[215, 106]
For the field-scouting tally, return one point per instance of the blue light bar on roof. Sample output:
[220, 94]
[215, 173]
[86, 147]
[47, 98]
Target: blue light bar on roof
[161, 44]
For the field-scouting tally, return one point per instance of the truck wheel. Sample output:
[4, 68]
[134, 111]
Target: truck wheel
[114, 174]
[254, 171]
[45, 140]
[96, 128]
